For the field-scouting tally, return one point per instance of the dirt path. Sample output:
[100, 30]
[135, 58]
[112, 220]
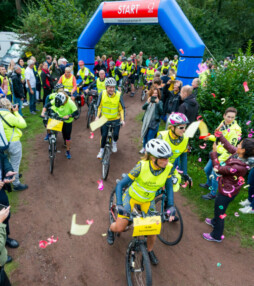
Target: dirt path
[46, 209]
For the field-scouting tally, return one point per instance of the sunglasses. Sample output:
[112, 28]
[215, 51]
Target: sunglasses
[181, 127]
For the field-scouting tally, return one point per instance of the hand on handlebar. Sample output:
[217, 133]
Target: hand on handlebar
[120, 209]
[96, 118]
[171, 212]
[66, 117]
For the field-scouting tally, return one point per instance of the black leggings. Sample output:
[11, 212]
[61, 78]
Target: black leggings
[67, 127]
[220, 206]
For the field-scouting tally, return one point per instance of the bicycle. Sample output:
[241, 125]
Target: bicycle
[171, 233]
[125, 83]
[58, 125]
[92, 98]
[107, 151]
[80, 98]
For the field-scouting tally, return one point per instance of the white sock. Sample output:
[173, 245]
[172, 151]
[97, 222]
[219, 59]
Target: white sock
[102, 149]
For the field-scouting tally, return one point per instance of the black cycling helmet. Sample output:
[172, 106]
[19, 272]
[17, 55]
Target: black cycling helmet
[60, 99]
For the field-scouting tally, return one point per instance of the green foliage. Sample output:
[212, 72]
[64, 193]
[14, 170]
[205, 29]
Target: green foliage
[52, 27]
[228, 84]
[8, 14]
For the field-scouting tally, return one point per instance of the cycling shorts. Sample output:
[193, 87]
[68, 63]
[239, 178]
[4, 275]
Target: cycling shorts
[132, 78]
[129, 203]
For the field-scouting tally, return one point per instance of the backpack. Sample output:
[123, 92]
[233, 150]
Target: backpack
[4, 144]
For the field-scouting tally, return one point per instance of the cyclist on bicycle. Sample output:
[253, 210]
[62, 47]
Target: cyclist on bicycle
[99, 83]
[149, 75]
[66, 109]
[144, 180]
[130, 68]
[85, 74]
[116, 74]
[69, 82]
[156, 63]
[165, 65]
[178, 142]
[110, 105]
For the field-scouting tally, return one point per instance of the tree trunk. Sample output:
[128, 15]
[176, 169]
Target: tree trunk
[18, 6]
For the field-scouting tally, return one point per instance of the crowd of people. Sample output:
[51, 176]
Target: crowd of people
[55, 84]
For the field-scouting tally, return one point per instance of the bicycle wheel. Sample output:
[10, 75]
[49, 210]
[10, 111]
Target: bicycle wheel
[51, 157]
[143, 95]
[105, 162]
[171, 232]
[89, 116]
[137, 265]
[112, 207]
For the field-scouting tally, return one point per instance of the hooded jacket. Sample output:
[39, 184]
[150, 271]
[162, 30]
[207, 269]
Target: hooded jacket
[189, 107]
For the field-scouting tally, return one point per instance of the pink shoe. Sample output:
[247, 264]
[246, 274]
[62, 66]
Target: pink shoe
[208, 237]
[209, 221]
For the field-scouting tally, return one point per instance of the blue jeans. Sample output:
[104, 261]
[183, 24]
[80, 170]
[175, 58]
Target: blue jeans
[104, 132]
[150, 134]
[18, 101]
[32, 100]
[181, 162]
[9, 97]
[211, 182]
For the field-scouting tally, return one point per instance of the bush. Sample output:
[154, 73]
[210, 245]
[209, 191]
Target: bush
[228, 84]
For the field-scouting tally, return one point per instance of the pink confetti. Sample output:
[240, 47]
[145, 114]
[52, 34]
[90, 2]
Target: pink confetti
[223, 216]
[239, 138]
[52, 240]
[241, 181]
[247, 167]
[252, 196]
[179, 171]
[43, 244]
[199, 159]
[181, 50]
[230, 195]
[223, 236]
[237, 214]
[251, 131]
[89, 221]
[168, 212]
[232, 170]
[229, 192]
[202, 146]
[248, 122]
[245, 85]
[184, 185]
[253, 236]
[228, 130]
[217, 134]
[199, 117]
[250, 135]
[100, 185]
[213, 94]
[91, 135]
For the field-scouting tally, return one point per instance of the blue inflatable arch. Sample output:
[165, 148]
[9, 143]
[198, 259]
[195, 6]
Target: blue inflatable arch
[167, 13]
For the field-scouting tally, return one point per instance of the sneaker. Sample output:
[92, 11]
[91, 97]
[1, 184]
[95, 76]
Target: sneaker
[20, 187]
[68, 154]
[46, 138]
[25, 103]
[209, 222]
[23, 106]
[153, 258]
[245, 203]
[247, 210]
[208, 196]
[114, 147]
[100, 154]
[205, 186]
[110, 237]
[142, 151]
[208, 237]
[33, 112]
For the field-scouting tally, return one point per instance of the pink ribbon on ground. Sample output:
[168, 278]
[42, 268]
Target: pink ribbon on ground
[50, 240]
[91, 135]
[89, 221]
[100, 185]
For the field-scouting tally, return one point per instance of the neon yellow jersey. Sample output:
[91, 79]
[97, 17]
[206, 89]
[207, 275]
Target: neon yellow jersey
[67, 82]
[9, 85]
[145, 186]
[150, 74]
[110, 105]
[100, 85]
[178, 146]
[67, 109]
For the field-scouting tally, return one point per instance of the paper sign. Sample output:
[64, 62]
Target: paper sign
[98, 123]
[146, 226]
[28, 54]
[55, 125]
[192, 129]
[77, 229]
[203, 129]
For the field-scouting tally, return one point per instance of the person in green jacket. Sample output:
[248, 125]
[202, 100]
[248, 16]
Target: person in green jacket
[63, 105]
[232, 132]
[12, 122]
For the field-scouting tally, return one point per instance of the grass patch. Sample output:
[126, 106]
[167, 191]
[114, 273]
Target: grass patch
[10, 267]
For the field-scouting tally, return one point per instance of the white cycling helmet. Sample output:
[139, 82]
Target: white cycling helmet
[60, 99]
[110, 81]
[112, 63]
[158, 148]
[177, 118]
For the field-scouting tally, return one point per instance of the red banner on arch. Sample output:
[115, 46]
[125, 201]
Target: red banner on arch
[131, 12]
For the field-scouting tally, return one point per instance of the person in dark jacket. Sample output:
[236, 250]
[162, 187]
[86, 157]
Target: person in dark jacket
[18, 88]
[98, 67]
[174, 99]
[237, 166]
[189, 105]
[195, 84]
[151, 119]
[6, 177]
[47, 81]
[56, 72]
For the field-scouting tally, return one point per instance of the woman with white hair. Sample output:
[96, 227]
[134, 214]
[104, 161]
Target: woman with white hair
[31, 85]
[69, 82]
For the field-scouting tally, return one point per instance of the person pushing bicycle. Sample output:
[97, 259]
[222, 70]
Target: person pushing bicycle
[110, 105]
[63, 105]
[177, 123]
[144, 180]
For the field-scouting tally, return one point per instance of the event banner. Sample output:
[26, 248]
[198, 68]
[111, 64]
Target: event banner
[132, 12]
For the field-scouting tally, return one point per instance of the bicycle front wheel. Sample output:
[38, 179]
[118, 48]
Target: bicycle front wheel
[90, 114]
[143, 95]
[106, 162]
[137, 265]
[51, 157]
[171, 232]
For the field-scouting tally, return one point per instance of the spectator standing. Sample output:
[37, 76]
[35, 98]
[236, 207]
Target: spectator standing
[38, 80]
[139, 63]
[18, 90]
[12, 121]
[3, 75]
[31, 85]
[109, 59]
[47, 82]
[55, 72]
[23, 78]
[148, 61]
[104, 61]
[49, 60]
[195, 84]
[248, 204]
[119, 61]
[10, 68]
[99, 67]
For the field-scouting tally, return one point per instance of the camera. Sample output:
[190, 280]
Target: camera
[153, 98]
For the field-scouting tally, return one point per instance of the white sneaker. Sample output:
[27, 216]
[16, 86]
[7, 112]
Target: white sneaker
[114, 147]
[100, 154]
[26, 103]
[142, 151]
[245, 203]
[247, 210]
[23, 106]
